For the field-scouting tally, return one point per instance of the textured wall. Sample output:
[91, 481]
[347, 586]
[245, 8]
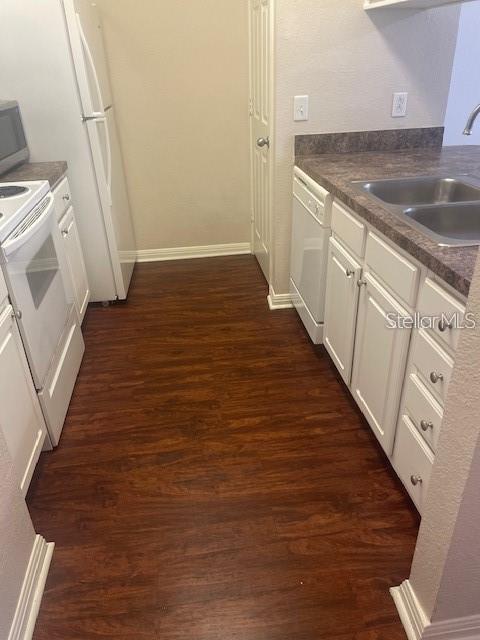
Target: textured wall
[465, 87]
[180, 81]
[350, 62]
[446, 571]
[16, 539]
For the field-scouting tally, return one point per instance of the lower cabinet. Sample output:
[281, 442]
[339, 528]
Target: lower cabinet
[379, 360]
[21, 419]
[413, 461]
[341, 302]
[75, 261]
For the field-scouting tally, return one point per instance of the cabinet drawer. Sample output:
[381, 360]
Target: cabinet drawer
[423, 410]
[430, 361]
[413, 461]
[396, 271]
[316, 203]
[435, 301]
[63, 198]
[350, 231]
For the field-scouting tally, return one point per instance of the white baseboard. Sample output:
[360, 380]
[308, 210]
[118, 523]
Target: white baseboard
[419, 627]
[32, 591]
[184, 253]
[411, 612]
[279, 300]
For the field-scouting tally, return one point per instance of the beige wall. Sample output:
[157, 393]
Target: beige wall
[350, 62]
[180, 82]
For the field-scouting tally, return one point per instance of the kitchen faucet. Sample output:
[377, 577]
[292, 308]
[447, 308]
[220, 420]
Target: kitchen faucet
[471, 121]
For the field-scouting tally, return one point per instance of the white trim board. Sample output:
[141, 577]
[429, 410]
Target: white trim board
[184, 253]
[418, 627]
[32, 590]
[278, 301]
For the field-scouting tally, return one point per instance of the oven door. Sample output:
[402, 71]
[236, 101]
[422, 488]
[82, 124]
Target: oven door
[31, 263]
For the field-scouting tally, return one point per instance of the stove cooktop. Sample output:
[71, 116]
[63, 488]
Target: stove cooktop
[12, 190]
[17, 199]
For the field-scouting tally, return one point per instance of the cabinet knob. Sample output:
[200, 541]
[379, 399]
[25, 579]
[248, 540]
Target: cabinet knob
[361, 282]
[349, 273]
[443, 325]
[66, 197]
[415, 480]
[17, 314]
[435, 377]
[65, 233]
[425, 425]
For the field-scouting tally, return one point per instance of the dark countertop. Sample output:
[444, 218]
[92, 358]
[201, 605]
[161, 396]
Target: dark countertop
[335, 171]
[30, 171]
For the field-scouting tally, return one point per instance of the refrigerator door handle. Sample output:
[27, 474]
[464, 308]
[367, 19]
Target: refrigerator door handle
[90, 60]
[103, 120]
[109, 160]
[96, 116]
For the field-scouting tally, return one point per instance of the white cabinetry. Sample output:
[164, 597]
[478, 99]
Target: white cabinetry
[75, 264]
[430, 366]
[341, 302]
[21, 418]
[397, 372]
[379, 360]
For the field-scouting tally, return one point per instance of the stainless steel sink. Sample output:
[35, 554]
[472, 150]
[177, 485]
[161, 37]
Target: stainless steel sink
[446, 209]
[423, 190]
[451, 225]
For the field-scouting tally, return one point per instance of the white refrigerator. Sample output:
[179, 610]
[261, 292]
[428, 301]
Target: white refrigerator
[53, 62]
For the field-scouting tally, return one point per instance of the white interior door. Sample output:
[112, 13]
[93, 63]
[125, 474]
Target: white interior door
[261, 37]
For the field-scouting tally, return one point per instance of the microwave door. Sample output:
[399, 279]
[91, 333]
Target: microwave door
[31, 264]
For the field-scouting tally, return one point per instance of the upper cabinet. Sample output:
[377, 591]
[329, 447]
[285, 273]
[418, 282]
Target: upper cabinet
[407, 4]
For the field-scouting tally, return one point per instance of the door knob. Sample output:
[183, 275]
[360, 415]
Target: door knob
[263, 142]
[425, 425]
[435, 377]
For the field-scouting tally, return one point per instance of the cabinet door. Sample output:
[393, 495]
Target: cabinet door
[341, 307]
[76, 264]
[21, 419]
[379, 361]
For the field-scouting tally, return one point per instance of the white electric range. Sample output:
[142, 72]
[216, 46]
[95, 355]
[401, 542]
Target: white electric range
[33, 262]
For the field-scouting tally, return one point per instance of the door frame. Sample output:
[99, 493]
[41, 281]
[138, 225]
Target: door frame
[271, 173]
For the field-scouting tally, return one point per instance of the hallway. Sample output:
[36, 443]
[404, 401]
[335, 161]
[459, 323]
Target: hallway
[214, 480]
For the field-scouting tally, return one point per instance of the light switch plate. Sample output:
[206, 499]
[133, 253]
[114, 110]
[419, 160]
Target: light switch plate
[399, 104]
[300, 108]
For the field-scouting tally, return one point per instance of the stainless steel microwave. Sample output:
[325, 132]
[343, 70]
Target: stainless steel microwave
[13, 144]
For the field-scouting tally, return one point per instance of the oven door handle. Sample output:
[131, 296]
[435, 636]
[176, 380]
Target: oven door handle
[31, 226]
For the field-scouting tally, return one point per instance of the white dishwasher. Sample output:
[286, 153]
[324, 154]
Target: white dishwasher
[312, 206]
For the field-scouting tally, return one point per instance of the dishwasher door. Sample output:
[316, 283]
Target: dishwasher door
[309, 255]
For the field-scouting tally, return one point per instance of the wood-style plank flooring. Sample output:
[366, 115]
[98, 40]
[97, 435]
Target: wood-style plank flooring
[214, 480]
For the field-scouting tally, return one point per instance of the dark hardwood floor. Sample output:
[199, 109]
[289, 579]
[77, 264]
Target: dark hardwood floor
[214, 480]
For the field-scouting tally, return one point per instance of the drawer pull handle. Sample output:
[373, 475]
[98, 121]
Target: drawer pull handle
[425, 425]
[66, 197]
[416, 480]
[349, 273]
[443, 326]
[435, 377]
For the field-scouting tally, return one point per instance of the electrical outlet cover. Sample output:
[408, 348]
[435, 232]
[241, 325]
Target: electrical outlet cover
[399, 105]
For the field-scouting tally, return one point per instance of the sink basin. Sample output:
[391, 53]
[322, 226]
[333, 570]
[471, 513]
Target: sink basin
[452, 225]
[446, 209]
[422, 190]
